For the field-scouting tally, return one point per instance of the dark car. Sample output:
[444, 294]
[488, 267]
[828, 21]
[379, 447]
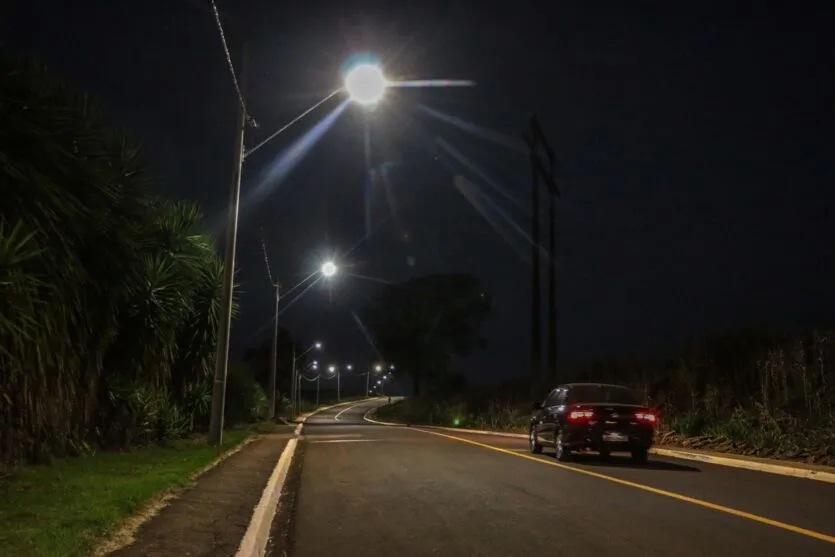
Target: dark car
[592, 416]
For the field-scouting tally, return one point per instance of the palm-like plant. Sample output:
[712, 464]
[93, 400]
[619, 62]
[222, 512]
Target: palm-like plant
[102, 285]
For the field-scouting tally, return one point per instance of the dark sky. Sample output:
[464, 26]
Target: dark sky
[695, 153]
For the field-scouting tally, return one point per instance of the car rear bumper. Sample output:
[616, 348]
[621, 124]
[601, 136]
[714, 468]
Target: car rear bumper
[597, 438]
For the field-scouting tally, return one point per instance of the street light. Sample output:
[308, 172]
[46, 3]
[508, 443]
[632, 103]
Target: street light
[349, 367]
[366, 84]
[294, 387]
[329, 269]
[378, 368]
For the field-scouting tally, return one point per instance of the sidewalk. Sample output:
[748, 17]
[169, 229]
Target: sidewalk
[210, 518]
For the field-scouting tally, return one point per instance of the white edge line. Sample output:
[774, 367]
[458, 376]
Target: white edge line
[345, 441]
[336, 418]
[254, 542]
[304, 417]
[780, 469]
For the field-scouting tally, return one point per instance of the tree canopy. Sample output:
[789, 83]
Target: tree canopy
[421, 323]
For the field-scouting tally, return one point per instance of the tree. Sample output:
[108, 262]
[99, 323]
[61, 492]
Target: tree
[108, 295]
[421, 323]
[258, 358]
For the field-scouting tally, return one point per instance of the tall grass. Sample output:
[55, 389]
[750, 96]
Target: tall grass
[745, 392]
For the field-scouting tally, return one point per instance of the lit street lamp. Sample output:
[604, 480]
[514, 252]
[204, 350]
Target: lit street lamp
[294, 383]
[366, 84]
[329, 269]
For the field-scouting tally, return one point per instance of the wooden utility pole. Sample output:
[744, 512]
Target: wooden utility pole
[535, 139]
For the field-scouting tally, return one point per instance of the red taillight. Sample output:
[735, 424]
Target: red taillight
[580, 415]
[647, 417]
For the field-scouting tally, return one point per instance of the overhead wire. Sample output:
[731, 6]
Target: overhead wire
[249, 119]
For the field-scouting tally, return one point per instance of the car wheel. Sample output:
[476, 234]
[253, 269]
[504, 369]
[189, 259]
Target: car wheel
[561, 452]
[536, 448]
[640, 455]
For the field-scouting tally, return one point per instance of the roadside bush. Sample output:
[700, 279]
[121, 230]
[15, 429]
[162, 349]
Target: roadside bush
[246, 401]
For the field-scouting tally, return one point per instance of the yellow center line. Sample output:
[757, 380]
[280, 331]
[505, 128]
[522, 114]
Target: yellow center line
[678, 496]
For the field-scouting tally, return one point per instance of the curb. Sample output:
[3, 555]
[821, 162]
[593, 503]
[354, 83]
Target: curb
[302, 418]
[734, 461]
[748, 464]
[124, 533]
[254, 542]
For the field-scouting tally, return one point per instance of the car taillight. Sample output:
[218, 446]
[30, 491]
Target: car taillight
[580, 415]
[647, 417]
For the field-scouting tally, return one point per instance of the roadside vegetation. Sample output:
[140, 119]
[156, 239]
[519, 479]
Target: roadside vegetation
[743, 392]
[109, 293]
[109, 309]
[66, 508]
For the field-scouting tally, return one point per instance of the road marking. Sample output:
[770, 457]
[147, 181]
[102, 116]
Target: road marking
[678, 496]
[254, 541]
[348, 408]
[345, 441]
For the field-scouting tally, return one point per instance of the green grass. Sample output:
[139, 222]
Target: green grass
[64, 509]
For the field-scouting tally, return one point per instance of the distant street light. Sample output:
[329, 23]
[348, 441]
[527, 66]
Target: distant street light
[329, 269]
[366, 84]
[349, 367]
[378, 368]
[295, 393]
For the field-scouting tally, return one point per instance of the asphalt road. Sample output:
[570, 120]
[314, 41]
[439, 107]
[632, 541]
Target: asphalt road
[367, 489]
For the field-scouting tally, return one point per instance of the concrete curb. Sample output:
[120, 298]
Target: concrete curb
[819, 474]
[302, 418]
[734, 461]
[125, 533]
[254, 542]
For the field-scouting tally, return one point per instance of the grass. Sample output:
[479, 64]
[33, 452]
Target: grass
[64, 509]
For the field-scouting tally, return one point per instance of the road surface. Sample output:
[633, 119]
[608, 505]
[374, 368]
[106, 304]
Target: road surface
[373, 490]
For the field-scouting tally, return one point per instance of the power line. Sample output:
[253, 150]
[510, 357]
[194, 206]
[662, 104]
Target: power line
[250, 120]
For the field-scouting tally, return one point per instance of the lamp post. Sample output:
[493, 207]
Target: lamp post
[365, 85]
[295, 381]
[274, 357]
[378, 368]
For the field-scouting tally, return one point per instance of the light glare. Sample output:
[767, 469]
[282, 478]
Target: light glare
[329, 269]
[366, 84]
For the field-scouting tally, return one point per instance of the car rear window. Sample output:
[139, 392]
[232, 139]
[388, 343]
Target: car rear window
[601, 393]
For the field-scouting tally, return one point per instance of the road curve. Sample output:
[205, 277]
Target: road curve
[368, 489]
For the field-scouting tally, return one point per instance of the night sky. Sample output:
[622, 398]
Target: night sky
[695, 155]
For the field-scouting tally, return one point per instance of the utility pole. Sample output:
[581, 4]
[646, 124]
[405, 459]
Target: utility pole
[274, 357]
[535, 138]
[338, 391]
[367, 382]
[222, 354]
[318, 381]
[293, 385]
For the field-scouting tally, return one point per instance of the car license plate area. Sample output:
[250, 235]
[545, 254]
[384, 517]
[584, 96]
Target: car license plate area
[614, 437]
